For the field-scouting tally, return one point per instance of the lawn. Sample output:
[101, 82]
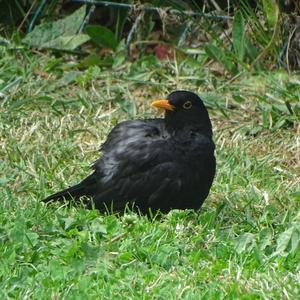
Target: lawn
[242, 244]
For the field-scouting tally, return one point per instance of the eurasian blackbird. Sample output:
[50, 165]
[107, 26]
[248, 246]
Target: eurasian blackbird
[153, 164]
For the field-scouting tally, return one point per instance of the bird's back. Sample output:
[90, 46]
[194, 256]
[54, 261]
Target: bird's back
[143, 163]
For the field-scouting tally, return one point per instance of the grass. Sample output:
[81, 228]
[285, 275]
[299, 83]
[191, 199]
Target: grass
[243, 244]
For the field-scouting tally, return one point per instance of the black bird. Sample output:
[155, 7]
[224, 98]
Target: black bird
[154, 164]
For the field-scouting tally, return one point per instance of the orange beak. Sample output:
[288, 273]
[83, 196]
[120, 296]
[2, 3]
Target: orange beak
[165, 104]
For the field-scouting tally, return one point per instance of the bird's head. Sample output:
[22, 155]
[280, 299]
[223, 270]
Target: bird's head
[185, 109]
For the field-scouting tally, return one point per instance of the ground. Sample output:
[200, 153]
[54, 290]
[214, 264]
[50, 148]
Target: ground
[242, 244]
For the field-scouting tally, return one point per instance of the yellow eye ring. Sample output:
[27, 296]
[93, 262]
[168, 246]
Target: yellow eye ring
[187, 105]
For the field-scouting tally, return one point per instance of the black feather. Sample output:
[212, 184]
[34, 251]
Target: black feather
[157, 164]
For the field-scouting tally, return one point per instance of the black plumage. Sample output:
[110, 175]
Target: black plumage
[154, 164]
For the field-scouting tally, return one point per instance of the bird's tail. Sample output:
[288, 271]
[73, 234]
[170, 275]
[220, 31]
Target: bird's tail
[87, 187]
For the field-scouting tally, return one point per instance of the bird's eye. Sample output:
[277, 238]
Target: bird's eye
[187, 105]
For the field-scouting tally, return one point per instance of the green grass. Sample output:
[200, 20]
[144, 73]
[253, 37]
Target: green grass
[243, 244]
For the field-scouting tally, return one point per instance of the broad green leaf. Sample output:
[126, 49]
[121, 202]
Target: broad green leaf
[48, 32]
[265, 238]
[69, 222]
[250, 49]
[67, 42]
[119, 59]
[220, 56]
[97, 227]
[295, 240]
[32, 238]
[271, 11]
[284, 241]
[238, 35]
[67, 78]
[244, 242]
[102, 36]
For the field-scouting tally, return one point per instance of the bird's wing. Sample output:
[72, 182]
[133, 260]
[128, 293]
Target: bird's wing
[138, 165]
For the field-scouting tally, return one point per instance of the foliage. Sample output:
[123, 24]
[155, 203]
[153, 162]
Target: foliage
[55, 110]
[61, 34]
[102, 36]
[243, 244]
[252, 39]
[254, 32]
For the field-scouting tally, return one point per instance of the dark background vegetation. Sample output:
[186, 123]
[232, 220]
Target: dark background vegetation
[230, 37]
